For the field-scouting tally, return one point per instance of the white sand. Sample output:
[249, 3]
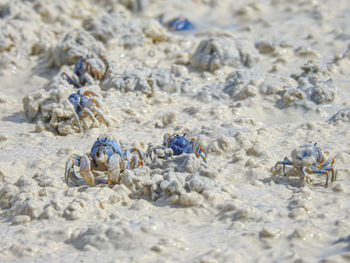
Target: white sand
[253, 81]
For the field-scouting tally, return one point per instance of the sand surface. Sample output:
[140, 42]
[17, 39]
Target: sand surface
[253, 81]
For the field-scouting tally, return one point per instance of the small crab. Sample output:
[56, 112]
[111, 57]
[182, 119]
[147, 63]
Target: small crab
[87, 102]
[105, 155]
[87, 70]
[179, 23]
[310, 159]
[176, 145]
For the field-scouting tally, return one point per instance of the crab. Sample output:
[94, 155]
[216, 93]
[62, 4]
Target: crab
[105, 155]
[87, 70]
[179, 23]
[176, 145]
[87, 102]
[309, 159]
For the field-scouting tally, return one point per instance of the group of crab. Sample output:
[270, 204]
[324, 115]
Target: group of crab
[108, 155]
[85, 101]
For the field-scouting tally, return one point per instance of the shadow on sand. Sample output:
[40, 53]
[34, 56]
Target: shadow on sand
[17, 117]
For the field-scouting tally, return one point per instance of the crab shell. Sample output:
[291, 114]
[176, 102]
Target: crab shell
[179, 144]
[180, 24]
[308, 155]
[102, 149]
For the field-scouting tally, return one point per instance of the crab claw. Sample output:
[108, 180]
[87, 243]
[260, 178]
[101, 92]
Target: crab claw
[91, 67]
[149, 153]
[165, 154]
[85, 170]
[107, 64]
[115, 164]
[86, 79]
[70, 173]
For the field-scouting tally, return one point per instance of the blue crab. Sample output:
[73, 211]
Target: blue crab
[177, 24]
[105, 155]
[87, 70]
[176, 145]
[309, 159]
[87, 102]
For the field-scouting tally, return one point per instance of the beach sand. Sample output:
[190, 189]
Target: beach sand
[252, 81]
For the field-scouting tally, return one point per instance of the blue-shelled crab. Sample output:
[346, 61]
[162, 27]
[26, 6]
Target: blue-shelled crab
[177, 24]
[87, 70]
[105, 155]
[176, 145]
[309, 159]
[87, 103]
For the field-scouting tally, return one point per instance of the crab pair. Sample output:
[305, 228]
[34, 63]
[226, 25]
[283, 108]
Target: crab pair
[108, 155]
[87, 102]
[309, 159]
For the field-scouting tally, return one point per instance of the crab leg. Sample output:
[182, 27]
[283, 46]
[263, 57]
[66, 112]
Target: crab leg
[334, 175]
[285, 162]
[115, 164]
[89, 112]
[79, 70]
[150, 151]
[127, 157]
[194, 146]
[324, 171]
[140, 155]
[203, 155]
[329, 161]
[78, 121]
[85, 170]
[93, 106]
[166, 139]
[70, 80]
[304, 176]
[105, 119]
[79, 67]
[69, 172]
[198, 149]
[91, 93]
